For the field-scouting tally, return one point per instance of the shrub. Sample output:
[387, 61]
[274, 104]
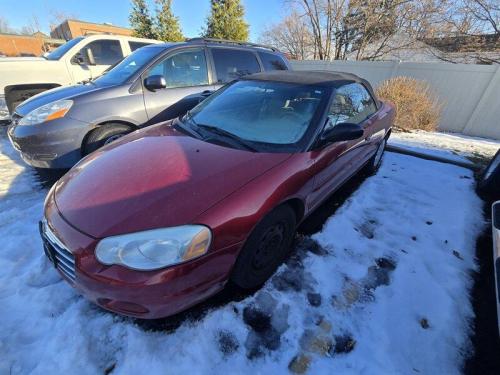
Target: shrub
[417, 106]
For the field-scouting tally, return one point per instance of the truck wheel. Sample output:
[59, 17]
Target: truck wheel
[103, 135]
[265, 248]
[489, 182]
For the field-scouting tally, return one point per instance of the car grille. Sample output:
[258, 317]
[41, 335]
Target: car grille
[57, 253]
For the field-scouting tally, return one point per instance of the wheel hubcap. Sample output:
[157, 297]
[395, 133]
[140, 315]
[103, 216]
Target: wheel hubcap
[269, 246]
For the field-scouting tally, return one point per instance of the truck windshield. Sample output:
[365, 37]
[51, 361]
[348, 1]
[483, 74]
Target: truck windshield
[61, 50]
[129, 66]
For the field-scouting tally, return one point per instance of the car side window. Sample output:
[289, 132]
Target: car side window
[183, 69]
[272, 62]
[351, 103]
[105, 52]
[231, 64]
[136, 45]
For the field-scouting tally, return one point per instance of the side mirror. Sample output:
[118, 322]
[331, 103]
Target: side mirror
[156, 82]
[90, 56]
[78, 59]
[344, 131]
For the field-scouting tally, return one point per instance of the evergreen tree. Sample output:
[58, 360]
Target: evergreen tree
[226, 21]
[141, 21]
[167, 25]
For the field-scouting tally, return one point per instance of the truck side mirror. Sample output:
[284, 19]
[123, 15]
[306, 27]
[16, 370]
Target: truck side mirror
[78, 59]
[90, 56]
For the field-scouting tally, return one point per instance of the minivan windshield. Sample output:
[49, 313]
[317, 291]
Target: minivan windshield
[61, 50]
[274, 115]
[129, 66]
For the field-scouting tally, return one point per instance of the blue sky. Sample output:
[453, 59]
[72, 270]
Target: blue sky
[192, 13]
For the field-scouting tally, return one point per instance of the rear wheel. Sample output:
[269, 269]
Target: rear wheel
[103, 135]
[265, 249]
[374, 163]
[489, 183]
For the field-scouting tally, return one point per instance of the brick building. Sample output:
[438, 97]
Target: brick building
[27, 45]
[70, 29]
[39, 43]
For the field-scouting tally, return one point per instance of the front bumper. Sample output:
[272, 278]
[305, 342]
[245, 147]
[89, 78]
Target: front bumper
[496, 253]
[54, 144]
[141, 294]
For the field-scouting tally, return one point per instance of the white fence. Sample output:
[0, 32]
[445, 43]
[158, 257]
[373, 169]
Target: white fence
[470, 93]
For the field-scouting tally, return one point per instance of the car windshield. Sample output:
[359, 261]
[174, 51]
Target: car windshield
[61, 50]
[129, 66]
[271, 114]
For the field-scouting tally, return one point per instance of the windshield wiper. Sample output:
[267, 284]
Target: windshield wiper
[188, 129]
[225, 133]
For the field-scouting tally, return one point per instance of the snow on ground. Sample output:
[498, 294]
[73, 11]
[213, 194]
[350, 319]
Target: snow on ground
[451, 145]
[382, 289]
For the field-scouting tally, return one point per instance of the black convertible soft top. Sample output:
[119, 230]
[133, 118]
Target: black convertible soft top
[310, 77]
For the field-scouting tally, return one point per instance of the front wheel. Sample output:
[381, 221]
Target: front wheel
[266, 248]
[103, 135]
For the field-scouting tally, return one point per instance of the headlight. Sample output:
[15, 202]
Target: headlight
[4, 111]
[154, 249]
[47, 112]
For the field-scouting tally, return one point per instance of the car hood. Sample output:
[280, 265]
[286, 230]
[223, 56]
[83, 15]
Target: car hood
[49, 96]
[153, 178]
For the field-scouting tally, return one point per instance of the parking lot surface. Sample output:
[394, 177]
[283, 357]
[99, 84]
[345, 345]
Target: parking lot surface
[381, 288]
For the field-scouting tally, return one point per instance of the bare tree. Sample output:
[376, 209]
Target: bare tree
[292, 36]
[32, 27]
[58, 16]
[4, 26]
[470, 32]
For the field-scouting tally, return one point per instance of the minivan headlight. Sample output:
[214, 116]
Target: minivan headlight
[155, 249]
[47, 112]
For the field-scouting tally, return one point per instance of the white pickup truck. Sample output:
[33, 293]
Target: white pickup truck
[78, 60]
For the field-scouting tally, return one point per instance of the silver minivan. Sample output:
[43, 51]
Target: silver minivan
[58, 127]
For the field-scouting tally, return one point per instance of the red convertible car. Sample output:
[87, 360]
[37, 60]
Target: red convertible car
[161, 219]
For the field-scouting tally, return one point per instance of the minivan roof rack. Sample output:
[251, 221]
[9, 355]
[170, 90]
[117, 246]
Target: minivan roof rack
[224, 41]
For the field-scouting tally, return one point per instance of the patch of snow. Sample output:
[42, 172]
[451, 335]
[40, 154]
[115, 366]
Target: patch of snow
[453, 146]
[394, 297]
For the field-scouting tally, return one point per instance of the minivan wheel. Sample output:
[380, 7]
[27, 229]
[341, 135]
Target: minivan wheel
[489, 182]
[103, 135]
[265, 249]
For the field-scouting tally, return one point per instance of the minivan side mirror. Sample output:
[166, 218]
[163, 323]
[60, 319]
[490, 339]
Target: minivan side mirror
[156, 82]
[345, 131]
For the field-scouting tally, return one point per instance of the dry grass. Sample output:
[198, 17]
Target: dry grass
[417, 106]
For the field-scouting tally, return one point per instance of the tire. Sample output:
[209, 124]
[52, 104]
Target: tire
[103, 135]
[489, 182]
[376, 160]
[265, 249]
